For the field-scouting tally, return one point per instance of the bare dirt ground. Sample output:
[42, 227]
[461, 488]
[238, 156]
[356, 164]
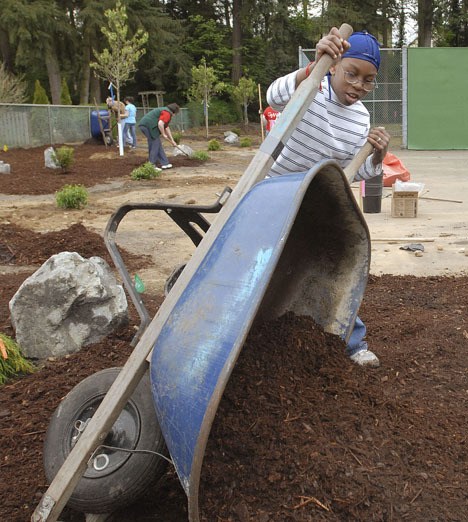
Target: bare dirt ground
[301, 434]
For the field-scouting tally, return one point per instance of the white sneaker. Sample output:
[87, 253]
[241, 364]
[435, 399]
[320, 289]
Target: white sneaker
[366, 358]
[168, 166]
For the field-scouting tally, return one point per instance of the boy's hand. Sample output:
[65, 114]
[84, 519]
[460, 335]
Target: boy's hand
[379, 138]
[331, 44]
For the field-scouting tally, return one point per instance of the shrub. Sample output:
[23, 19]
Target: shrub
[40, 95]
[236, 131]
[72, 196]
[65, 98]
[63, 156]
[200, 155]
[214, 145]
[145, 171]
[245, 142]
[12, 361]
[177, 137]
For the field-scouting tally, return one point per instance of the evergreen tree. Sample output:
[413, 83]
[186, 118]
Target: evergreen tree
[65, 98]
[40, 96]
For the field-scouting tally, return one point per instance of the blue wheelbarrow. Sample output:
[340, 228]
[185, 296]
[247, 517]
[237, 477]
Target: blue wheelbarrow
[294, 243]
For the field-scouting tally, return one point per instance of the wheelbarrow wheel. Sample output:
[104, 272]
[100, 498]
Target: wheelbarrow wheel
[114, 478]
[108, 139]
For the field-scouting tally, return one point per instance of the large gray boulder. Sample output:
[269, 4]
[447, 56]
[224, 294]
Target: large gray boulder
[68, 303]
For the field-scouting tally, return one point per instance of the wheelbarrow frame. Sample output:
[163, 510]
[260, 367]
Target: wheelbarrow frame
[188, 217]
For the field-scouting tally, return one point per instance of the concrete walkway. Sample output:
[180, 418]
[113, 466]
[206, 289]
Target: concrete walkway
[445, 176]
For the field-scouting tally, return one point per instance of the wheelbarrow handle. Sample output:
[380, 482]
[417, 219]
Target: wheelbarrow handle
[357, 161]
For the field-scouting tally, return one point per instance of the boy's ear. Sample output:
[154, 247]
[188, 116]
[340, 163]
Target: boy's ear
[332, 70]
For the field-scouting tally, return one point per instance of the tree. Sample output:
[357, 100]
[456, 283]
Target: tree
[244, 92]
[204, 85]
[65, 98]
[117, 63]
[40, 96]
[12, 88]
[425, 13]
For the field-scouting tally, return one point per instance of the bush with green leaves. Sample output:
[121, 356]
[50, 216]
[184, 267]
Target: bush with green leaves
[236, 131]
[72, 196]
[245, 142]
[12, 362]
[214, 145]
[200, 155]
[177, 137]
[40, 96]
[145, 171]
[64, 157]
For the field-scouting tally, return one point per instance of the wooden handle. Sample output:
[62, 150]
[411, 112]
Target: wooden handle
[323, 65]
[357, 161]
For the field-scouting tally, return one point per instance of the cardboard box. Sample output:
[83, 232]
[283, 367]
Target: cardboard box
[404, 204]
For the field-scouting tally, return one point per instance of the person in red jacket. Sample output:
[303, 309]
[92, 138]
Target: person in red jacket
[269, 117]
[155, 124]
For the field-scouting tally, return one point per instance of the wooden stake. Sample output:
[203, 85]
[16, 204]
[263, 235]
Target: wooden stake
[441, 199]
[260, 110]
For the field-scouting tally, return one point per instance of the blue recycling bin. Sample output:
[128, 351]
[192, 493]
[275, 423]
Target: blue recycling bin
[94, 123]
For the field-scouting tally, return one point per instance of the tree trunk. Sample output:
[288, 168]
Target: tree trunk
[425, 15]
[5, 51]
[236, 41]
[85, 75]
[53, 71]
[95, 88]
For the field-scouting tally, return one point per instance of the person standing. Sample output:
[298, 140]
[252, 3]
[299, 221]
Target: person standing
[130, 121]
[336, 126]
[269, 118]
[155, 124]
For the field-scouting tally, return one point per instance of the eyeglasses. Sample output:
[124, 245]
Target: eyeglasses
[353, 79]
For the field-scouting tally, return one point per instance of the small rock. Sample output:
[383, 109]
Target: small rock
[418, 254]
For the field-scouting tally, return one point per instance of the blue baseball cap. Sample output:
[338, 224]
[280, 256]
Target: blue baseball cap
[364, 46]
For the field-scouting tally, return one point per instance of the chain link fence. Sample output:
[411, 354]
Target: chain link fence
[38, 125]
[385, 103]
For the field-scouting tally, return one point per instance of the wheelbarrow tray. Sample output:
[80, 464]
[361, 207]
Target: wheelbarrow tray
[294, 243]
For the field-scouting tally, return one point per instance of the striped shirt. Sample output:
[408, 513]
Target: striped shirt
[328, 130]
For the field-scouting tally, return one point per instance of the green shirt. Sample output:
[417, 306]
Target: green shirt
[151, 119]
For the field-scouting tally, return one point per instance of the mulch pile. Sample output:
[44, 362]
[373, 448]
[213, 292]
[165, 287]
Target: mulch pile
[93, 164]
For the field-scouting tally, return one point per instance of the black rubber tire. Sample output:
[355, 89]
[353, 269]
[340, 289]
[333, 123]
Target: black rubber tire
[128, 475]
[170, 281]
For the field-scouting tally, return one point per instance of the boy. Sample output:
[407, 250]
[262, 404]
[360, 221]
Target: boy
[336, 126]
[130, 121]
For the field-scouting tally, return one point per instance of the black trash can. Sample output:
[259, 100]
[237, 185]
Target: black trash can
[372, 199]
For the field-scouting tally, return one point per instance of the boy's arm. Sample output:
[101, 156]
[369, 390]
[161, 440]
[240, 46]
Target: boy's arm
[379, 138]
[282, 89]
